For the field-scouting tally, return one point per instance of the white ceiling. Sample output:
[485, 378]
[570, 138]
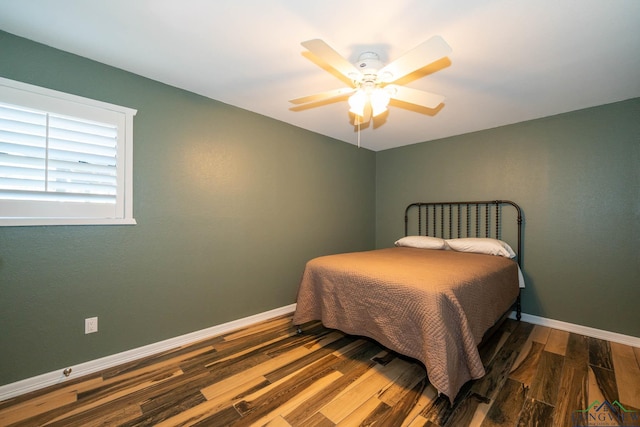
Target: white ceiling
[511, 61]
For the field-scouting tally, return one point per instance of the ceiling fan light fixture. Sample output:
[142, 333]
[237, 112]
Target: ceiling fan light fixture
[379, 99]
[357, 102]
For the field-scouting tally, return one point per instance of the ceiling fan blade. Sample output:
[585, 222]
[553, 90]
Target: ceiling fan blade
[414, 96]
[325, 52]
[323, 96]
[420, 56]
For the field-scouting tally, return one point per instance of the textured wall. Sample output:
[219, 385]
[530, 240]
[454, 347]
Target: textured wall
[577, 178]
[229, 205]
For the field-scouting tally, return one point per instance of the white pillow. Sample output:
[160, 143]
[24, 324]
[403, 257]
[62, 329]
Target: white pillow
[422, 242]
[481, 245]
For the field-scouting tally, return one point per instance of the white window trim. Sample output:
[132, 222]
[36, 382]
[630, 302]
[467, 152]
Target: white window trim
[8, 86]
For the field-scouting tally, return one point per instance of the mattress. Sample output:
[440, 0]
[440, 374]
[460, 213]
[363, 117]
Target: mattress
[431, 305]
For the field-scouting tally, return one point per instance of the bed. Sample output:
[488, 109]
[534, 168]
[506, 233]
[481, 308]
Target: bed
[434, 295]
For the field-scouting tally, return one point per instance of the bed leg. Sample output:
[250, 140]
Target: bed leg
[518, 309]
[298, 330]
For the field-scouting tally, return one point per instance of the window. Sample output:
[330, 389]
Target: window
[64, 159]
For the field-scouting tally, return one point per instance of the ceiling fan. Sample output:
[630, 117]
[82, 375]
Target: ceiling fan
[372, 87]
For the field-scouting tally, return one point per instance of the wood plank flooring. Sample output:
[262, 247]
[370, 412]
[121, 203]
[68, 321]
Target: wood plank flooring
[266, 375]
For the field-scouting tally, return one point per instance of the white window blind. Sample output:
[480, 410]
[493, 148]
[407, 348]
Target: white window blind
[63, 159]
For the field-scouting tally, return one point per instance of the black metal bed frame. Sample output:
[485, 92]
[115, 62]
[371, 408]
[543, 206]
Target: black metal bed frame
[450, 220]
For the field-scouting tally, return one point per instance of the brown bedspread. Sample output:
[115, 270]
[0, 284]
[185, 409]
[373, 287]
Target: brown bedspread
[432, 305]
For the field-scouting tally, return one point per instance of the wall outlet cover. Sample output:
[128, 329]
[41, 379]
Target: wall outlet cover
[90, 325]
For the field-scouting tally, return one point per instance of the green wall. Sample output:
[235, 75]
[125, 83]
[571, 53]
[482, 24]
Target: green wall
[229, 205]
[576, 177]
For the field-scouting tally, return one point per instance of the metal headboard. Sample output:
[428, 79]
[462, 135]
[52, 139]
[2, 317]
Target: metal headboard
[463, 219]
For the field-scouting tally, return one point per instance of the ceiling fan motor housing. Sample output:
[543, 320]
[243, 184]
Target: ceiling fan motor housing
[369, 63]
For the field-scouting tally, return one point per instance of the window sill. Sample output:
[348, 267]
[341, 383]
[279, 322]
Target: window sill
[21, 222]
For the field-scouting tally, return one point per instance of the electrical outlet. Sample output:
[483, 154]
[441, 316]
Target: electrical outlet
[90, 325]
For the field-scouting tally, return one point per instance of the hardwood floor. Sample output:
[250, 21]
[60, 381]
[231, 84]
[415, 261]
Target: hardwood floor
[267, 375]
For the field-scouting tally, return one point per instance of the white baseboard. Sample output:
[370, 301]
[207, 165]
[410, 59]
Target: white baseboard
[579, 329]
[35, 383]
